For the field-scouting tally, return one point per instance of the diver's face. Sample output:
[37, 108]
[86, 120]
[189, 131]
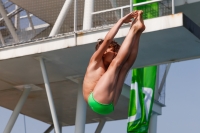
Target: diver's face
[109, 55]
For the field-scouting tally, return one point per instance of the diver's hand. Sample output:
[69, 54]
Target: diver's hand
[128, 17]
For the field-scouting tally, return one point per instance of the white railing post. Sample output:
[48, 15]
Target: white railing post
[173, 7]
[131, 5]
[122, 12]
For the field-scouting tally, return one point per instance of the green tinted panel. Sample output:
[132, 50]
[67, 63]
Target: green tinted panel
[150, 10]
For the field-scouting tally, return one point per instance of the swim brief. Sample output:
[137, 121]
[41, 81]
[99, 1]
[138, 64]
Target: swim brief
[100, 108]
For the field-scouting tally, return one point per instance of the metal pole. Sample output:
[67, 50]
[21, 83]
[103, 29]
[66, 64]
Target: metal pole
[173, 7]
[31, 22]
[24, 124]
[17, 25]
[87, 19]
[75, 15]
[49, 129]
[131, 5]
[156, 94]
[2, 40]
[101, 125]
[164, 78]
[8, 23]
[61, 18]
[122, 12]
[153, 123]
[75, 21]
[60, 129]
[49, 96]
[17, 110]
[80, 112]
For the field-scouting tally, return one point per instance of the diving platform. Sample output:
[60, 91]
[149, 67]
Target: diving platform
[167, 39]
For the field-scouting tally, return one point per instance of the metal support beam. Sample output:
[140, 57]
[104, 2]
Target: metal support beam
[17, 110]
[8, 23]
[101, 125]
[87, 18]
[156, 94]
[153, 124]
[80, 111]
[49, 129]
[2, 40]
[75, 21]
[49, 96]
[164, 79]
[17, 24]
[75, 15]
[60, 129]
[31, 22]
[61, 18]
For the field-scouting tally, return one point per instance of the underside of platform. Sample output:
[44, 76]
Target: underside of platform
[166, 39]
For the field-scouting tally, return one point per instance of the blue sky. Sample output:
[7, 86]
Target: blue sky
[181, 114]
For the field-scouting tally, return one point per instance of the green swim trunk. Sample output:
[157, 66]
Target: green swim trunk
[100, 108]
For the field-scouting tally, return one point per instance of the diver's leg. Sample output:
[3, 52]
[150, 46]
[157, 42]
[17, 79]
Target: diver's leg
[125, 68]
[104, 90]
[127, 65]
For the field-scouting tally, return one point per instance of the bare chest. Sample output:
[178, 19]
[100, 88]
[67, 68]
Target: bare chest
[93, 74]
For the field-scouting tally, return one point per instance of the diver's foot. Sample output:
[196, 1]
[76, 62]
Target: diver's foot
[138, 23]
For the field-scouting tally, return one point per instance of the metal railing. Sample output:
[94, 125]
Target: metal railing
[127, 6]
[100, 18]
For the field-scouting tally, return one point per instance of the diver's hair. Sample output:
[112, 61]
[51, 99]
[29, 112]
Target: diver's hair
[113, 44]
